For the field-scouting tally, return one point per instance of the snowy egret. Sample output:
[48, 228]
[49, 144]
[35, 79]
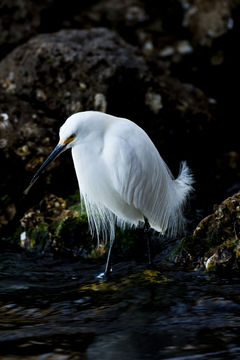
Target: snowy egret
[122, 178]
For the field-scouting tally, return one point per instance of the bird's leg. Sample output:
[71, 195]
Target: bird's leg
[148, 238]
[109, 257]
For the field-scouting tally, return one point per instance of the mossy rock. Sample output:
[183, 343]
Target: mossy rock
[51, 227]
[60, 227]
[215, 243]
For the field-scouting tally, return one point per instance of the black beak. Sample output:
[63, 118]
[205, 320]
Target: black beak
[54, 154]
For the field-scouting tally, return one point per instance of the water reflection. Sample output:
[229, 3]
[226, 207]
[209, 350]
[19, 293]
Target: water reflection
[57, 310]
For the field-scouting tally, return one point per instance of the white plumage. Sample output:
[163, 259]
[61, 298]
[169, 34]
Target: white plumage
[121, 175]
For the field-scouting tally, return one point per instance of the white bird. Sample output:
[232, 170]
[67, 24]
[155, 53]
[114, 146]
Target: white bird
[122, 178]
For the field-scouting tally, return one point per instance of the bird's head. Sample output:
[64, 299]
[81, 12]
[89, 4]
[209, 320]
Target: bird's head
[69, 132]
[68, 136]
[77, 128]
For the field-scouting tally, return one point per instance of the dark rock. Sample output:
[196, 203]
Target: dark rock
[23, 128]
[137, 21]
[146, 24]
[209, 20]
[127, 13]
[18, 22]
[22, 19]
[125, 16]
[26, 137]
[70, 71]
[79, 70]
[73, 70]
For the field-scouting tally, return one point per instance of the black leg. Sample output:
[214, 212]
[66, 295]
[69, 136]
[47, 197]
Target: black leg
[109, 262]
[148, 239]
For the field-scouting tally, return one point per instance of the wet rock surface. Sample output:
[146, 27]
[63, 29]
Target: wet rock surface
[57, 309]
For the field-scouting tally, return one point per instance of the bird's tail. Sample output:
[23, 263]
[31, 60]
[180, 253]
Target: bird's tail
[184, 180]
[167, 213]
[183, 187]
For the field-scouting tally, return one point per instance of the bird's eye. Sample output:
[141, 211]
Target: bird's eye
[69, 139]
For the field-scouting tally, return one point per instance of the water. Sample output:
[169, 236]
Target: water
[52, 309]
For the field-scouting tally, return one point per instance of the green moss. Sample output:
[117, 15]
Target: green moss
[184, 243]
[73, 200]
[231, 243]
[38, 238]
[193, 248]
[71, 234]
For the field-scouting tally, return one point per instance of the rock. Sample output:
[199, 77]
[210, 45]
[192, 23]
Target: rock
[215, 243]
[52, 228]
[19, 20]
[127, 13]
[22, 19]
[59, 227]
[64, 72]
[125, 16]
[24, 130]
[149, 25]
[78, 70]
[184, 117]
[209, 20]
[135, 20]
[26, 137]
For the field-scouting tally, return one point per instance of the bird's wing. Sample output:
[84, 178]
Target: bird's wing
[141, 179]
[132, 167]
